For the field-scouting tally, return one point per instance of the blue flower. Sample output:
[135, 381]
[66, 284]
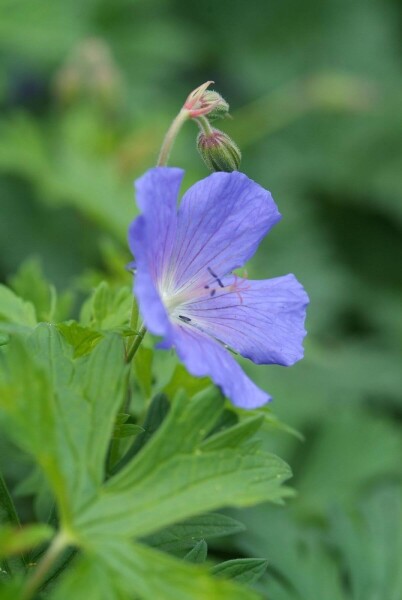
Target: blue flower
[184, 282]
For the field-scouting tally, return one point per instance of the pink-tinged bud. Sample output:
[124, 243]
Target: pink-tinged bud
[203, 102]
[221, 108]
[218, 151]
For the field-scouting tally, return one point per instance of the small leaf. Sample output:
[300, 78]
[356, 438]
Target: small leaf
[100, 303]
[182, 380]
[108, 308]
[15, 310]
[14, 540]
[29, 283]
[157, 412]
[127, 430]
[143, 369]
[82, 339]
[183, 535]
[198, 554]
[244, 570]
[115, 567]
[235, 435]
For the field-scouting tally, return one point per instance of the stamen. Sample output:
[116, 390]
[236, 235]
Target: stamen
[185, 319]
[215, 277]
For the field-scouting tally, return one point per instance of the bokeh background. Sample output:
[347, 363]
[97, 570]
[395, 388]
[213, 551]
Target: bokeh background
[87, 90]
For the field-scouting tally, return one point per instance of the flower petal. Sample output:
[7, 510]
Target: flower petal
[262, 320]
[204, 356]
[151, 238]
[221, 221]
[151, 305]
[156, 194]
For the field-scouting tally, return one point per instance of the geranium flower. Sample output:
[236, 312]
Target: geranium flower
[184, 282]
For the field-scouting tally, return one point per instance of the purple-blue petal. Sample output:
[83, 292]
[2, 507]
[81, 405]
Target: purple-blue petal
[156, 194]
[152, 308]
[221, 221]
[262, 320]
[204, 356]
[151, 237]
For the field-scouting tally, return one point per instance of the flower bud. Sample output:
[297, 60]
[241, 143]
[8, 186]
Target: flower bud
[218, 151]
[203, 102]
[220, 107]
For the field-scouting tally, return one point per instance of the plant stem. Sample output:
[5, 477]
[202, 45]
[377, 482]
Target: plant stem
[59, 543]
[171, 136]
[8, 512]
[163, 158]
[205, 125]
[132, 349]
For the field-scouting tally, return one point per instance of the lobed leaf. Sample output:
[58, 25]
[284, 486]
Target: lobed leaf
[244, 570]
[15, 310]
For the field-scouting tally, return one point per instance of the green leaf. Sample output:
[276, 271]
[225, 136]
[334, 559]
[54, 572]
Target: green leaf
[29, 283]
[143, 369]
[182, 380]
[127, 430]
[82, 339]
[198, 554]
[369, 543]
[9, 589]
[173, 476]
[244, 570]
[14, 540]
[235, 435]
[183, 535]
[100, 303]
[15, 310]
[107, 308]
[62, 411]
[157, 411]
[150, 573]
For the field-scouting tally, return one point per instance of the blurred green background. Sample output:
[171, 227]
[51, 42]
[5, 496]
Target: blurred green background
[87, 90]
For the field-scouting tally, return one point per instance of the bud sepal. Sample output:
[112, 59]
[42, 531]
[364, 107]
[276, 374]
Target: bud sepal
[218, 151]
[202, 102]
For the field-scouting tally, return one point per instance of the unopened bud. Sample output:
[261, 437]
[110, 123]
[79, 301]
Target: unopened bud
[221, 107]
[203, 102]
[218, 151]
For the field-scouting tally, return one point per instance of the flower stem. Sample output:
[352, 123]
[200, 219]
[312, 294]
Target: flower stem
[132, 349]
[205, 125]
[166, 148]
[59, 543]
[171, 136]
[163, 158]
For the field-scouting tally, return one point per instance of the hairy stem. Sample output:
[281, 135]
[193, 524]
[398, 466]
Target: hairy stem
[132, 349]
[59, 543]
[205, 125]
[171, 136]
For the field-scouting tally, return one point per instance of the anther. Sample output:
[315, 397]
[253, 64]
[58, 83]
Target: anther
[185, 319]
[215, 276]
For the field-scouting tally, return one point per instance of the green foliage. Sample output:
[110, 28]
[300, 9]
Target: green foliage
[14, 310]
[245, 570]
[62, 388]
[183, 535]
[198, 553]
[317, 116]
[15, 540]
